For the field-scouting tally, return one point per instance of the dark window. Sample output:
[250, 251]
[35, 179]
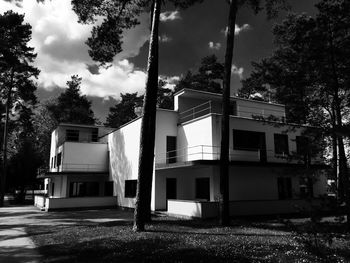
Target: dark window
[54, 162]
[203, 188]
[72, 135]
[233, 108]
[130, 188]
[52, 189]
[59, 159]
[171, 188]
[51, 162]
[170, 149]
[284, 188]
[302, 145]
[80, 189]
[248, 140]
[94, 135]
[109, 188]
[306, 187]
[281, 143]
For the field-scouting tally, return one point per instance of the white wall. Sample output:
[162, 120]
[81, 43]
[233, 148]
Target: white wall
[195, 134]
[77, 202]
[123, 147]
[247, 108]
[78, 156]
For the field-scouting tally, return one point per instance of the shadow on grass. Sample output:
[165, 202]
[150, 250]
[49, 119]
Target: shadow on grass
[142, 250]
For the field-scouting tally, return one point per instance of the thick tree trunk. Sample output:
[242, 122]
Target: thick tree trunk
[225, 132]
[4, 145]
[146, 159]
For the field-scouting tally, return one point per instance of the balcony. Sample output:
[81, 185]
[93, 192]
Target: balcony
[207, 152]
[245, 111]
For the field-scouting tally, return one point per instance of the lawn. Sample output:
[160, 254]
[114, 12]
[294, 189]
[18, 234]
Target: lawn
[174, 240]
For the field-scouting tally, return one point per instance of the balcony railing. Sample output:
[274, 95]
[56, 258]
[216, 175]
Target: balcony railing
[73, 167]
[241, 111]
[207, 152]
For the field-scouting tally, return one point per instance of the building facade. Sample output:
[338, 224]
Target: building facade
[267, 174]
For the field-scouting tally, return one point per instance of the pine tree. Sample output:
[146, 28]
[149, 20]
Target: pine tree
[16, 77]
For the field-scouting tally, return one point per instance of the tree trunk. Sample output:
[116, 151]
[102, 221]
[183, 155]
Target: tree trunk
[343, 167]
[225, 122]
[4, 145]
[335, 155]
[147, 136]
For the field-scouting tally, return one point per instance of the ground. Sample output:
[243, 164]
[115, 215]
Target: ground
[106, 236]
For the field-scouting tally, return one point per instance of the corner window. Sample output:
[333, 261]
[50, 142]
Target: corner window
[306, 187]
[130, 188]
[72, 135]
[203, 188]
[284, 185]
[81, 189]
[281, 144]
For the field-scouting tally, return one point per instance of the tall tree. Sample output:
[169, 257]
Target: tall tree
[271, 8]
[16, 76]
[71, 106]
[208, 78]
[105, 42]
[311, 64]
[124, 111]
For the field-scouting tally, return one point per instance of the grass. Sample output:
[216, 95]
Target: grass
[173, 240]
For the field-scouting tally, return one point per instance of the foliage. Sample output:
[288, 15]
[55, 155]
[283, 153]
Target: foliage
[71, 106]
[17, 76]
[208, 78]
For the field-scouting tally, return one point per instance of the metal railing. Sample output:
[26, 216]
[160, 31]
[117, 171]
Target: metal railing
[74, 167]
[240, 111]
[208, 152]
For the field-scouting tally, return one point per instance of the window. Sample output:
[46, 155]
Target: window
[284, 188]
[130, 188]
[51, 162]
[54, 162]
[94, 135]
[52, 189]
[233, 108]
[281, 143]
[306, 187]
[302, 145]
[59, 159]
[72, 135]
[171, 149]
[80, 189]
[203, 188]
[248, 140]
[109, 188]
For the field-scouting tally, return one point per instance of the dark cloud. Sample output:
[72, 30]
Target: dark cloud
[93, 69]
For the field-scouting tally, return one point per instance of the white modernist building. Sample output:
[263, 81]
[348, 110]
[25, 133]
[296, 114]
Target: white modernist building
[97, 166]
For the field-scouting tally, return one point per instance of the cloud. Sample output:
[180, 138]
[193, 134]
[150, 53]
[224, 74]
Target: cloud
[59, 39]
[164, 38]
[215, 46]
[237, 71]
[238, 29]
[170, 16]
[171, 81]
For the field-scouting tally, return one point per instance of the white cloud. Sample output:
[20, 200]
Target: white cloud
[238, 29]
[237, 71]
[164, 38]
[213, 45]
[170, 16]
[59, 39]
[171, 81]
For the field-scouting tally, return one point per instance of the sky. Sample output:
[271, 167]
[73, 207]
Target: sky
[186, 36]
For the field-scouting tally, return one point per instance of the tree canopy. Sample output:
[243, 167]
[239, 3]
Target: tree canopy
[71, 106]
